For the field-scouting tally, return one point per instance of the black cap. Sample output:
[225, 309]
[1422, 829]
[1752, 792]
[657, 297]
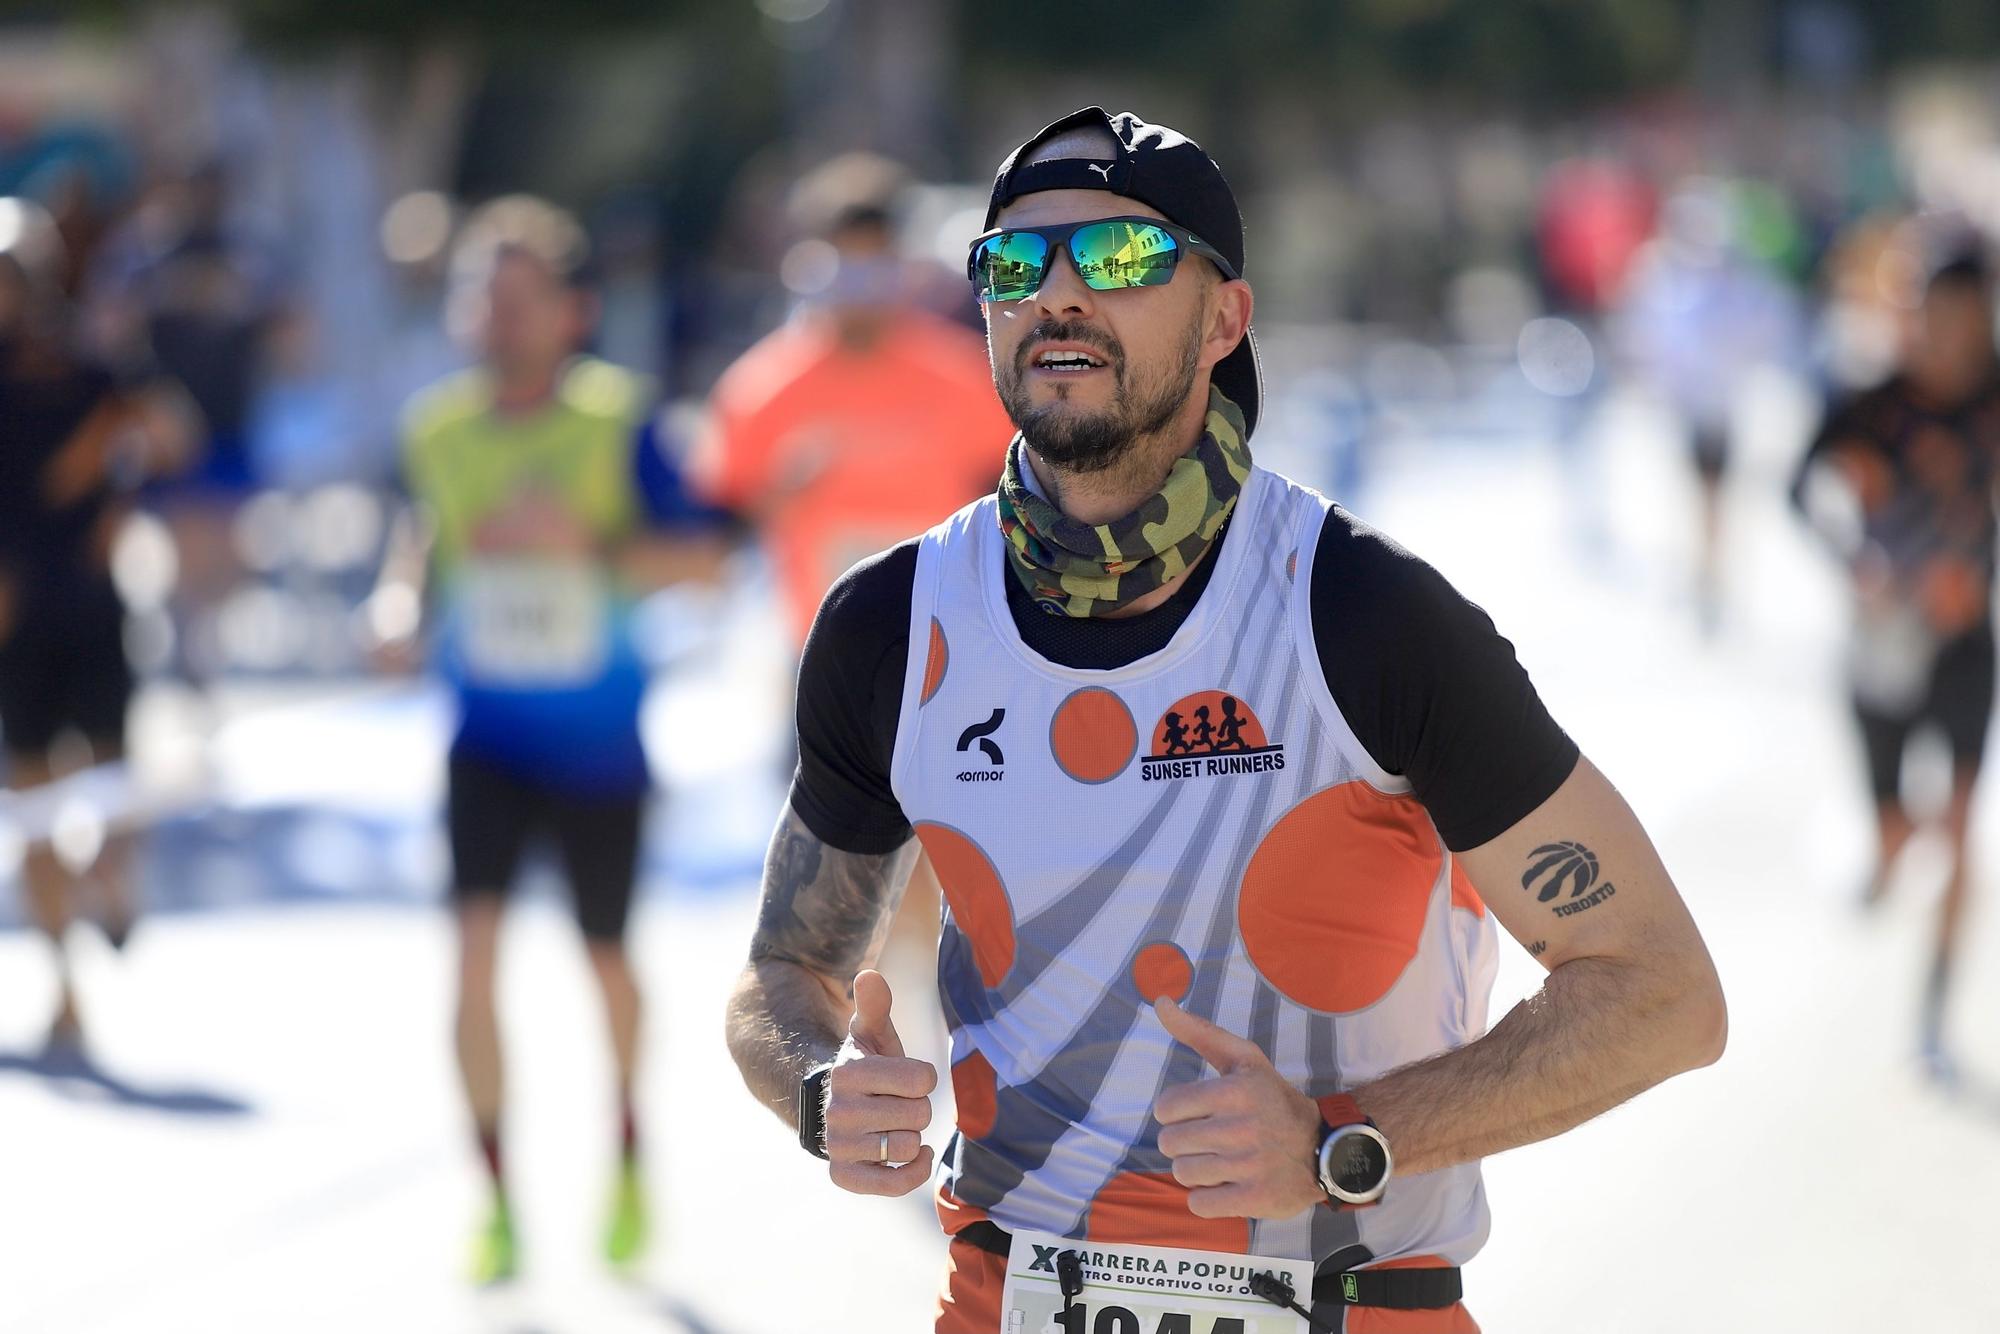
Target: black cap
[1166, 171]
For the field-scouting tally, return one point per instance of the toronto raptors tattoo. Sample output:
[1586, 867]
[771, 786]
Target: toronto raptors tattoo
[1554, 867]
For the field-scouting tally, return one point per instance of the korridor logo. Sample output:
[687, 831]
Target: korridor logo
[982, 735]
[982, 732]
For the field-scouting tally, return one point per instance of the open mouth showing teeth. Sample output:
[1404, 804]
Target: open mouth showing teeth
[1067, 361]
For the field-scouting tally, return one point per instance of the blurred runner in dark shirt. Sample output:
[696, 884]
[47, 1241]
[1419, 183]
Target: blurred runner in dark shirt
[1911, 465]
[72, 444]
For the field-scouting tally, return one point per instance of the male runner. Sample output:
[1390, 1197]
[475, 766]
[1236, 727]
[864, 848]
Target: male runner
[861, 420]
[544, 491]
[1197, 998]
[1918, 456]
[73, 443]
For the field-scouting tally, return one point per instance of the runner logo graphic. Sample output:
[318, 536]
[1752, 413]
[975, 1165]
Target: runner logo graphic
[982, 733]
[1210, 734]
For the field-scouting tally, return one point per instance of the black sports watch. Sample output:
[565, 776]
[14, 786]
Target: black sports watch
[1353, 1163]
[812, 1110]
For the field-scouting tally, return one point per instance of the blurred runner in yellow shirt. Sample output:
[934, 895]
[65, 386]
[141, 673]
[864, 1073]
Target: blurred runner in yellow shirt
[549, 508]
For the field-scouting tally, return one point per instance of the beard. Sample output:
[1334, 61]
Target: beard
[1076, 439]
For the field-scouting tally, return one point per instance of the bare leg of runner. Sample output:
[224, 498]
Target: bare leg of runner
[111, 888]
[1893, 830]
[621, 1007]
[51, 892]
[626, 1229]
[105, 886]
[1958, 820]
[1708, 572]
[110, 878]
[479, 1067]
[479, 1071]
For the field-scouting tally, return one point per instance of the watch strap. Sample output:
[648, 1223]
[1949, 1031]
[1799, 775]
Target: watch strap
[1340, 1109]
[812, 1111]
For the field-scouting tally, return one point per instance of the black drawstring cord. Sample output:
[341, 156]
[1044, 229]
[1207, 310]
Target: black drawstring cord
[1069, 1276]
[1273, 1289]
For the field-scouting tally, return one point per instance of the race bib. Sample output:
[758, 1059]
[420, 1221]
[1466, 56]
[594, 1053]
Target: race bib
[1890, 657]
[533, 623]
[1146, 1290]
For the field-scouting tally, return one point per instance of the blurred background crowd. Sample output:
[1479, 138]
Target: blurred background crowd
[1573, 294]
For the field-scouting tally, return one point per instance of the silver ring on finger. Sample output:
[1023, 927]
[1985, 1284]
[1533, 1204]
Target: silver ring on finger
[882, 1149]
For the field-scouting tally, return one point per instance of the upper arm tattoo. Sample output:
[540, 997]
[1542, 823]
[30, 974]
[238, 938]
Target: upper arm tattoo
[825, 909]
[1554, 867]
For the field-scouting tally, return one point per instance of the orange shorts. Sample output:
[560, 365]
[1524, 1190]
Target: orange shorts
[970, 1302]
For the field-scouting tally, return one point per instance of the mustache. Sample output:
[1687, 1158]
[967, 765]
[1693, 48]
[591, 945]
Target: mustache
[1061, 331]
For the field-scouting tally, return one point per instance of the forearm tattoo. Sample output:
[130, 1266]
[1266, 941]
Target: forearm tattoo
[1555, 867]
[825, 909]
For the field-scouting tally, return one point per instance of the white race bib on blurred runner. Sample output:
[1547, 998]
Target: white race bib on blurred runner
[1147, 1289]
[533, 622]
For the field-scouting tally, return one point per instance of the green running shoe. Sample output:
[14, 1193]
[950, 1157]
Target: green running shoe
[494, 1259]
[625, 1231]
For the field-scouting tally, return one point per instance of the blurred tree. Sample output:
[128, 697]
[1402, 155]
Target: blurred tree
[1553, 53]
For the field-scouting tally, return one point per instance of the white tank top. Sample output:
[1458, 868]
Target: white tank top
[1200, 823]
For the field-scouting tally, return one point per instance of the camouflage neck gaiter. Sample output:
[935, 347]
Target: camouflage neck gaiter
[1080, 569]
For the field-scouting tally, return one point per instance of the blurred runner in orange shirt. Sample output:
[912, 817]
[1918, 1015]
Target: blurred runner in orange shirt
[865, 419]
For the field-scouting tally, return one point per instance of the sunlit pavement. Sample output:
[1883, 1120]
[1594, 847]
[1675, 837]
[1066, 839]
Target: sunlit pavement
[267, 1135]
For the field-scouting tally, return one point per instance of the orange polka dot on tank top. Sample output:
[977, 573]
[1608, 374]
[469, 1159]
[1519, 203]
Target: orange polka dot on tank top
[977, 899]
[977, 1093]
[1334, 900]
[935, 662]
[1093, 736]
[1162, 969]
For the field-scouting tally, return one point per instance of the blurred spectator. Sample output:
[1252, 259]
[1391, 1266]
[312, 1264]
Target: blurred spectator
[300, 427]
[1900, 481]
[73, 443]
[81, 173]
[1698, 318]
[184, 290]
[545, 493]
[864, 419]
[417, 348]
[1595, 215]
[181, 291]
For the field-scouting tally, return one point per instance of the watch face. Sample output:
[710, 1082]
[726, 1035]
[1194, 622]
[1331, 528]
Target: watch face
[1357, 1164]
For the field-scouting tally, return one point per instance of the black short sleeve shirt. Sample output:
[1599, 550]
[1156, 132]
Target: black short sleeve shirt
[1429, 686]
